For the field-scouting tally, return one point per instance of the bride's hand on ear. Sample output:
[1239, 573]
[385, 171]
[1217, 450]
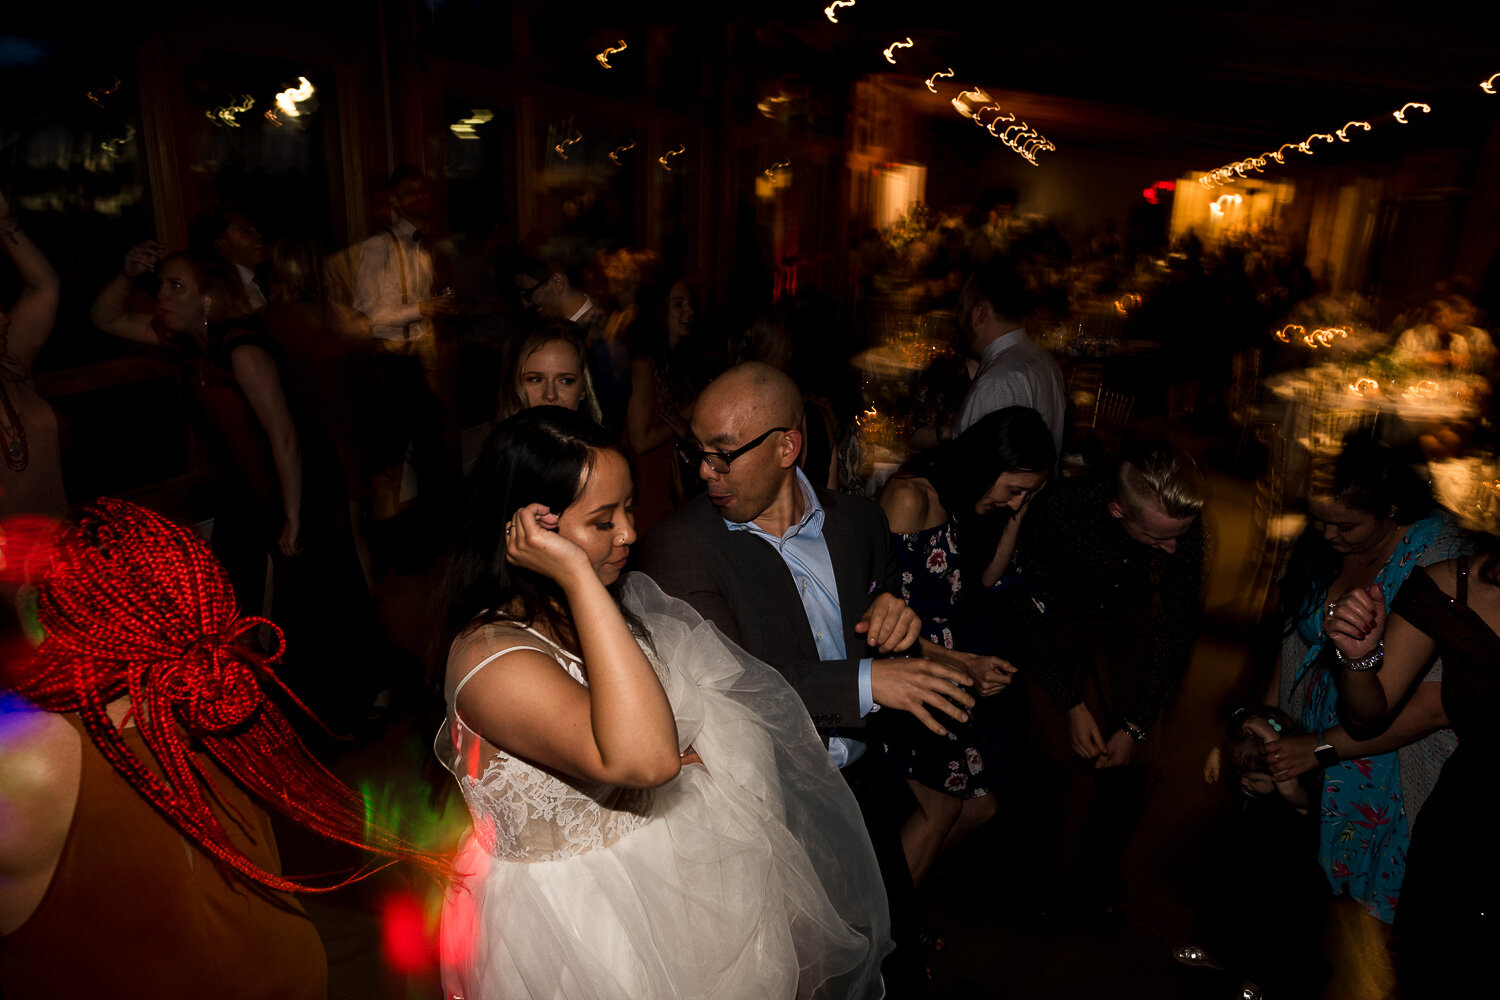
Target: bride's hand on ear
[532, 542]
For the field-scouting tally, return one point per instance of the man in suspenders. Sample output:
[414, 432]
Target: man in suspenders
[394, 292]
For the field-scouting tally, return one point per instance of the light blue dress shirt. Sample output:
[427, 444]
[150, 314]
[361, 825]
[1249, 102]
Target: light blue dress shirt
[805, 552]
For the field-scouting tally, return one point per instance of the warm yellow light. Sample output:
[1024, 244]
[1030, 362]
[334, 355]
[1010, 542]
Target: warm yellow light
[288, 100]
[771, 170]
[662, 159]
[1349, 125]
[95, 95]
[225, 115]
[562, 147]
[1286, 333]
[614, 154]
[112, 146]
[897, 45]
[1488, 86]
[603, 57]
[933, 79]
[1400, 116]
[1359, 385]
[836, 4]
[464, 127]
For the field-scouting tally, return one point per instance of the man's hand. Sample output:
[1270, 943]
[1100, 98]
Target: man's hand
[1213, 766]
[441, 305]
[915, 685]
[889, 625]
[1117, 752]
[1084, 733]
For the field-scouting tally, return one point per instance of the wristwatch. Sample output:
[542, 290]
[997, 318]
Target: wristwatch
[1326, 754]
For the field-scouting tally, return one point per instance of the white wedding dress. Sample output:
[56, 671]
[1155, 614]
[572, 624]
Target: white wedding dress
[749, 877]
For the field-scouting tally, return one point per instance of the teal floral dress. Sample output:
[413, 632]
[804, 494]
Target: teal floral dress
[1364, 829]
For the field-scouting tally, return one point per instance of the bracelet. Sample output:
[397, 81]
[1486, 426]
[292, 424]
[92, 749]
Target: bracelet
[1133, 731]
[1371, 662]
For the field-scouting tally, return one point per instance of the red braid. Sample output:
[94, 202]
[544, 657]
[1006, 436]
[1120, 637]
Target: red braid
[133, 604]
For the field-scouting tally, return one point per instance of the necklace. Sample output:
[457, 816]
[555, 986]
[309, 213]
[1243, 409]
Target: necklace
[17, 454]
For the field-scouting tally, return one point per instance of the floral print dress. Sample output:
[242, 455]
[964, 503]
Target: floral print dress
[1364, 829]
[931, 584]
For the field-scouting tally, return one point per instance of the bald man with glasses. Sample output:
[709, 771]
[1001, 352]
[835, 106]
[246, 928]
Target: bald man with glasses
[807, 581]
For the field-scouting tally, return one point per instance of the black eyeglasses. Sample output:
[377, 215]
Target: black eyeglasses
[718, 461]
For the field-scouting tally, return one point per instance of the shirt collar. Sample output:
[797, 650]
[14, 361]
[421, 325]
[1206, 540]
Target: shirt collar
[588, 304]
[404, 229]
[810, 524]
[1003, 343]
[247, 274]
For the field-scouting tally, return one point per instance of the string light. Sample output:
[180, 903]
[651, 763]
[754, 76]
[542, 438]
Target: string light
[1400, 116]
[771, 170]
[835, 5]
[662, 159]
[1349, 125]
[225, 115]
[944, 74]
[614, 154]
[897, 45]
[603, 57]
[95, 95]
[112, 146]
[1359, 385]
[288, 100]
[1285, 334]
[1488, 86]
[562, 147]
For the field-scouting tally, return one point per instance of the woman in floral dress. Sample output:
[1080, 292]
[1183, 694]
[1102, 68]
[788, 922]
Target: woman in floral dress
[976, 487]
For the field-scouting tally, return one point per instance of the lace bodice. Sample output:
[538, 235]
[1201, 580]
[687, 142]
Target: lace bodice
[523, 812]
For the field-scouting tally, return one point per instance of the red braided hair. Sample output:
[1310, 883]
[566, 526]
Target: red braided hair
[133, 604]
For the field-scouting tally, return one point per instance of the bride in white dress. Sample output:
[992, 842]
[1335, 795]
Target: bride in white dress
[654, 815]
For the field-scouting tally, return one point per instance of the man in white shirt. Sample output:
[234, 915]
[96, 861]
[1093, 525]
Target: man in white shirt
[1014, 370]
[393, 291]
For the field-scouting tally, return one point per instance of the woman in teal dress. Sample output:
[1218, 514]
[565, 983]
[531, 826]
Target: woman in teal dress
[1373, 524]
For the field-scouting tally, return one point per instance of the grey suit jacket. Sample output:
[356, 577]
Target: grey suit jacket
[740, 583]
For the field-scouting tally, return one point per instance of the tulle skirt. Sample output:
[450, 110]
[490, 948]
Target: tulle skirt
[754, 877]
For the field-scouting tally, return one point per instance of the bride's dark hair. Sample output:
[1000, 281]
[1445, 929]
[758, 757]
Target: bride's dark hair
[542, 455]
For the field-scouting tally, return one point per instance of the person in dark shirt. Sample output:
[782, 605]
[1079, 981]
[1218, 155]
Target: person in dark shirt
[1118, 567]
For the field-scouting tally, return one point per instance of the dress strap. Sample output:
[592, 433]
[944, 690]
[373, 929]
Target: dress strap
[1463, 580]
[491, 659]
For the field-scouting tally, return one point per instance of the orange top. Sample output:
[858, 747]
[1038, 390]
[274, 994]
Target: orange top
[134, 909]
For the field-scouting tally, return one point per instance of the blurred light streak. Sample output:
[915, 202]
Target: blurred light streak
[1488, 86]
[614, 154]
[288, 100]
[112, 146]
[225, 115]
[603, 57]
[897, 45]
[944, 74]
[1349, 125]
[1400, 116]
[271, 117]
[464, 127]
[662, 159]
[771, 170]
[1359, 385]
[835, 5]
[562, 147]
[966, 101]
[95, 95]
[768, 106]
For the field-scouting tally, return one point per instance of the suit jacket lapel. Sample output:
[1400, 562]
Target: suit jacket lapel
[766, 583]
[844, 549]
